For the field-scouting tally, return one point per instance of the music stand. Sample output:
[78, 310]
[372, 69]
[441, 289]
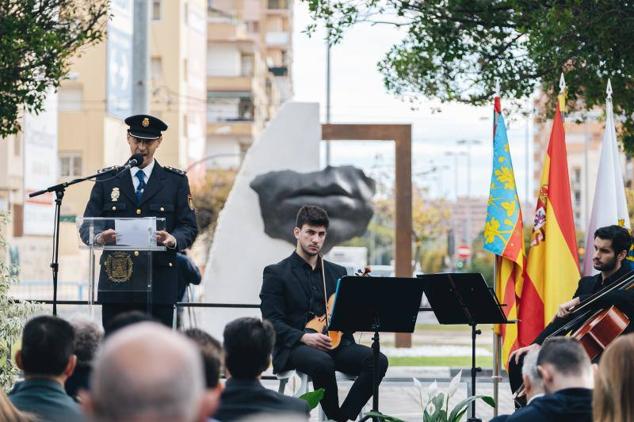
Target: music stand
[376, 304]
[464, 298]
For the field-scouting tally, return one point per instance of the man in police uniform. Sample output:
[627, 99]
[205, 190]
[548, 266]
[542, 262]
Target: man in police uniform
[149, 190]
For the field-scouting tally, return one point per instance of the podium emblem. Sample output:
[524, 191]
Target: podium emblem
[114, 195]
[119, 267]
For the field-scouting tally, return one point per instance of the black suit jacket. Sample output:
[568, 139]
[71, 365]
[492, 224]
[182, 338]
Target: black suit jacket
[242, 398]
[285, 301]
[166, 195]
[622, 299]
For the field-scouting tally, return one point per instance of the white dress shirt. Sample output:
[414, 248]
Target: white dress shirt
[147, 170]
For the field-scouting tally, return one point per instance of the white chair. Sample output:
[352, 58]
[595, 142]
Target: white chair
[304, 382]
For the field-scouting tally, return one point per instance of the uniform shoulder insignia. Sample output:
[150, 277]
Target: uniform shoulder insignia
[175, 170]
[108, 169]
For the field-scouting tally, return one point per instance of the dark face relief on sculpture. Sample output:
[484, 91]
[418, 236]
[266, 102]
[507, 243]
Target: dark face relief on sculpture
[344, 192]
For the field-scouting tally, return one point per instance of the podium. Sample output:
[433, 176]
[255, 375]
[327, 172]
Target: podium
[122, 269]
[464, 298]
[376, 304]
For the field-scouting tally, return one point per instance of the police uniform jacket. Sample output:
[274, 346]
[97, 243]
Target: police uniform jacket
[166, 195]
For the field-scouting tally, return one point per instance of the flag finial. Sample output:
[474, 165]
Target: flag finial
[562, 93]
[608, 90]
[497, 87]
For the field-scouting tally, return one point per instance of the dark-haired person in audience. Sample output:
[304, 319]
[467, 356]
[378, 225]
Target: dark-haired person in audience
[47, 360]
[147, 372]
[126, 319]
[292, 294]
[566, 372]
[611, 246]
[212, 354]
[248, 343]
[88, 336]
[613, 399]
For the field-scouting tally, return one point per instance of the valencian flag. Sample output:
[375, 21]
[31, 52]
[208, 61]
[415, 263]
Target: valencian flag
[552, 270]
[609, 206]
[503, 232]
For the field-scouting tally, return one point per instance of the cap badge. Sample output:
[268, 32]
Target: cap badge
[145, 122]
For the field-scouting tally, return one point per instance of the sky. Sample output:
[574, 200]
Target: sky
[358, 96]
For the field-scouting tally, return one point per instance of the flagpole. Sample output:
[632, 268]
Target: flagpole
[496, 333]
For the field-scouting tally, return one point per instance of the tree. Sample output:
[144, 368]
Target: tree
[37, 40]
[456, 50]
[12, 314]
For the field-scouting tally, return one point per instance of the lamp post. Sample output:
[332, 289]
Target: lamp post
[455, 154]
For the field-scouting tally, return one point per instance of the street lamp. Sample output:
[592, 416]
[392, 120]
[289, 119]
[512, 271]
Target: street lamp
[468, 143]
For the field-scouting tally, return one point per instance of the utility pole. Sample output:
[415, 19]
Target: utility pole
[328, 93]
[141, 58]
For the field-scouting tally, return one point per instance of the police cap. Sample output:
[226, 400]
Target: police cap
[144, 126]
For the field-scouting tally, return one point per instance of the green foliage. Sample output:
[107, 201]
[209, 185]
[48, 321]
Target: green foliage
[313, 397]
[456, 50]
[37, 40]
[12, 315]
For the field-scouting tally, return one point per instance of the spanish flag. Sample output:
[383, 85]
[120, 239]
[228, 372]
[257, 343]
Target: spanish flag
[503, 232]
[552, 268]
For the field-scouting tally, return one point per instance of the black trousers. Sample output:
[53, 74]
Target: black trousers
[351, 359]
[163, 313]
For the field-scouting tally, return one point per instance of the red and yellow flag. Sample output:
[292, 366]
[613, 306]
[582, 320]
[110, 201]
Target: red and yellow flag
[552, 268]
[503, 232]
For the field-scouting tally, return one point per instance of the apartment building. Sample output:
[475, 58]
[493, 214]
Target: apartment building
[248, 72]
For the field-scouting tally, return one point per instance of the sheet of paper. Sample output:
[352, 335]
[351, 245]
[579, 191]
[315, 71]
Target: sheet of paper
[136, 232]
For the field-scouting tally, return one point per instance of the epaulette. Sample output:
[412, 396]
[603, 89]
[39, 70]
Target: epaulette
[107, 169]
[175, 170]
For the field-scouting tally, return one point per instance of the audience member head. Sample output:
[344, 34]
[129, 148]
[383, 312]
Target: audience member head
[248, 343]
[613, 396]
[125, 319]
[8, 412]
[533, 384]
[146, 372]
[620, 237]
[562, 363]
[47, 348]
[211, 351]
[88, 336]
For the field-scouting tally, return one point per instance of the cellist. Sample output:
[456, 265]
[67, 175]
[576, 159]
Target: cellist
[611, 246]
[294, 291]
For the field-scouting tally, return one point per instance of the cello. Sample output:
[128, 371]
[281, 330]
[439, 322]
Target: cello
[320, 323]
[598, 328]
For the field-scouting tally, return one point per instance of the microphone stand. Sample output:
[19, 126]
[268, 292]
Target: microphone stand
[59, 190]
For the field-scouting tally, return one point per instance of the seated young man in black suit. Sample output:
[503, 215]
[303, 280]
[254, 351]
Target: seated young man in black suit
[248, 343]
[292, 294]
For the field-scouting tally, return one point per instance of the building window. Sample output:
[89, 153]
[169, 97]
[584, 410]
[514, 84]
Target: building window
[156, 69]
[186, 14]
[156, 10]
[70, 98]
[70, 164]
[253, 27]
[224, 107]
[246, 64]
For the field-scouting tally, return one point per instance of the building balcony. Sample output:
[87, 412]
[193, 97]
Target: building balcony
[230, 83]
[277, 5]
[230, 128]
[277, 39]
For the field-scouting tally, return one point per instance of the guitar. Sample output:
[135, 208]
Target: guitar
[320, 323]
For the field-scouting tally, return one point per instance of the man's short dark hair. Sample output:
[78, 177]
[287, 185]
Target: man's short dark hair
[313, 216]
[47, 345]
[248, 343]
[620, 237]
[565, 354]
[211, 351]
[125, 319]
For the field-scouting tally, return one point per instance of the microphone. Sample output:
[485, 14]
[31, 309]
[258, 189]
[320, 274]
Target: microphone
[134, 161]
